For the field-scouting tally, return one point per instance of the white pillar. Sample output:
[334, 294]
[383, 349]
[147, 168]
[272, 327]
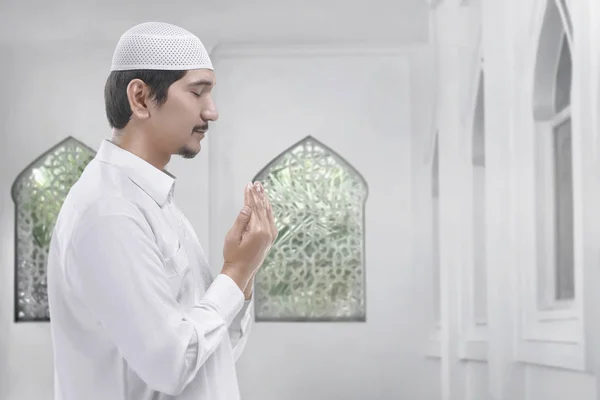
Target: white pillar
[586, 121]
[453, 169]
[498, 22]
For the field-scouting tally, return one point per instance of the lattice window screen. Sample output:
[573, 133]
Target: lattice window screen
[316, 268]
[38, 193]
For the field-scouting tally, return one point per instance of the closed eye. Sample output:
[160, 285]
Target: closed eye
[195, 94]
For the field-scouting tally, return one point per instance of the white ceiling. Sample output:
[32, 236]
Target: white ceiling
[382, 22]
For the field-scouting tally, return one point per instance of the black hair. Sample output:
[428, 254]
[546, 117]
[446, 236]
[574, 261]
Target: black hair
[116, 103]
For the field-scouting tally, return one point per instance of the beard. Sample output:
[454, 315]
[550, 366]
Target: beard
[187, 153]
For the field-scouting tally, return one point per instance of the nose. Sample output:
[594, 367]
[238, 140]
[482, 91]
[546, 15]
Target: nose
[209, 112]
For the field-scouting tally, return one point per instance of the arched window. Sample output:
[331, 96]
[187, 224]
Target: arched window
[38, 193]
[479, 219]
[435, 231]
[554, 202]
[316, 268]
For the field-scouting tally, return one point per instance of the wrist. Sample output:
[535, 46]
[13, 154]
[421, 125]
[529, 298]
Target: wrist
[249, 289]
[240, 279]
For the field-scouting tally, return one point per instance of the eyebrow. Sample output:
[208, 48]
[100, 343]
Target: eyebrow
[201, 82]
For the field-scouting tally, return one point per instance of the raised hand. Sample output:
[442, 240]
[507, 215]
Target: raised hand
[250, 238]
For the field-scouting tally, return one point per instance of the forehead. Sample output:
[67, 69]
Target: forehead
[199, 77]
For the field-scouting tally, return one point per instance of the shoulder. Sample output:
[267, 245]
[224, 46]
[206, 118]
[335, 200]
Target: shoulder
[100, 203]
[107, 211]
[99, 198]
[106, 215]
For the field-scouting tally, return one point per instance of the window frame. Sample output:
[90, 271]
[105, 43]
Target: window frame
[69, 141]
[342, 162]
[551, 335]
[433, 347]
[474, 341]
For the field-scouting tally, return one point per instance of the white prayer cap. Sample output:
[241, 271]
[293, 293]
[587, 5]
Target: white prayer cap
[158, 45]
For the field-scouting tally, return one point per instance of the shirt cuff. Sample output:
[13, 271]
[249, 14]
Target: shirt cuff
[227, 296]
[238, 321]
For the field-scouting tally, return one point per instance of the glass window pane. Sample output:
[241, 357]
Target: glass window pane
[565, 285]
[436, 261]
[562, 95]
[315, 270]
[478, 145]
[479, 264]
[435, 173]
[478, 162]
[435, 231]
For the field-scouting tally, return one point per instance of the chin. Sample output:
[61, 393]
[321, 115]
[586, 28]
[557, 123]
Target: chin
[186, 152]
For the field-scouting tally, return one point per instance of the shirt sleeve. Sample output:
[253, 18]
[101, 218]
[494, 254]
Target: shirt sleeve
[240, 328]
[115, 267]
[238, 333]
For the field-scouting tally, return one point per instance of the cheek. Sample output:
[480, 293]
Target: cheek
[180, 119]
[188, 114]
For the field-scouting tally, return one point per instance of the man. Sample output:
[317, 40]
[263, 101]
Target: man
[135, 311]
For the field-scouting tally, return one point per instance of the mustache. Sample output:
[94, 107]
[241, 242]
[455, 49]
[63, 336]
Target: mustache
[200, 128]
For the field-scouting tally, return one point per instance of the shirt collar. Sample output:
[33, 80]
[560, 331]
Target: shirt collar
[156, 183]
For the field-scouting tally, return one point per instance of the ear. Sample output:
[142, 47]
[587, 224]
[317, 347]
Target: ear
[138, 96]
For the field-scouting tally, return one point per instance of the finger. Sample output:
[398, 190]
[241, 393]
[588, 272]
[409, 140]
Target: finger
[248, 195]
[260, 201]
[241, 222]
[249, 207]
[253, 202]
[263, 196]
[271, 217]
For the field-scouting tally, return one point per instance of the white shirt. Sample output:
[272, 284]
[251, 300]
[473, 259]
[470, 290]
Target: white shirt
[135, 312]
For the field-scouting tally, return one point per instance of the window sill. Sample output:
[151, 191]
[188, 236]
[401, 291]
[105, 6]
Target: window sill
[433, 348]
[474, 346]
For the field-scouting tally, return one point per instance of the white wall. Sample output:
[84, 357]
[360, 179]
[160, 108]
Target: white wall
[53, 91]
[456, 344]
[46, 99]
[516, 364]
[365, 104]
[258, 22]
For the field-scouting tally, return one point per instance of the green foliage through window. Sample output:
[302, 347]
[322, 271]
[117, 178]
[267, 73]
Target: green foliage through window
[38, 194]
[315, 270]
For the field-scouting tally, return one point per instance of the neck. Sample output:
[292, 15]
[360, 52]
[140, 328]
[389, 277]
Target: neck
[142, 146]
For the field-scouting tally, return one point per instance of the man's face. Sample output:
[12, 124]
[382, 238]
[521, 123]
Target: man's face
[182, 121]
